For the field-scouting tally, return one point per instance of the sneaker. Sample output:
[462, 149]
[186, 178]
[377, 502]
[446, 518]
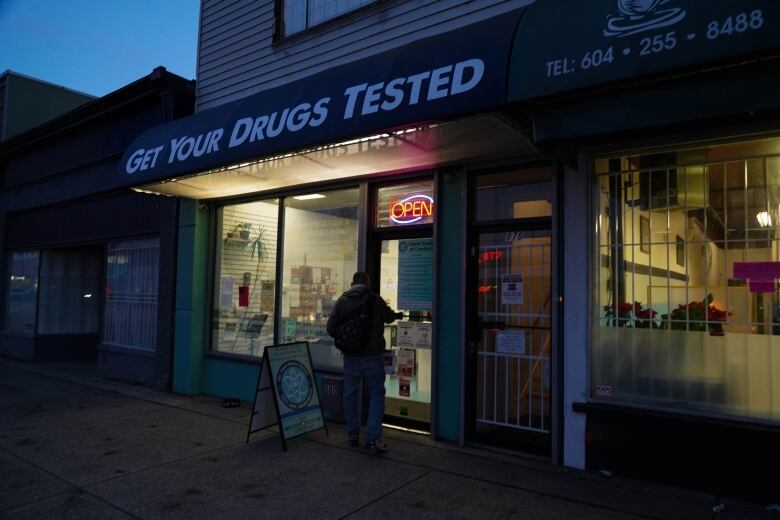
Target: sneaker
[353, 442]
[376, 446]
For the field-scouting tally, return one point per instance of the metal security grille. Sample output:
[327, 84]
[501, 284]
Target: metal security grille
[132, 275]
[513, 359]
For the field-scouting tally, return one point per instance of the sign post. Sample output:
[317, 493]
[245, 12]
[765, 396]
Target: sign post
[287, 393]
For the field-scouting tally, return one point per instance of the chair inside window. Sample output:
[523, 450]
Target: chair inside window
[253, 329]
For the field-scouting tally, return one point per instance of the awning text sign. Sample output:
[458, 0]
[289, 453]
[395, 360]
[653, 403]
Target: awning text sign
[608, 40]
[452, 74]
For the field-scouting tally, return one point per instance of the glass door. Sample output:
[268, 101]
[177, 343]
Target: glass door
[512, 341]
[405, 283]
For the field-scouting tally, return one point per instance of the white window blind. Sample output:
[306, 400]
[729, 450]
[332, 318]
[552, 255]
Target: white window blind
[132, 279]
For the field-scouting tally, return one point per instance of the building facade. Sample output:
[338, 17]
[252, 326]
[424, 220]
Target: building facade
[26, 102]
[90, 268]
[579, 231]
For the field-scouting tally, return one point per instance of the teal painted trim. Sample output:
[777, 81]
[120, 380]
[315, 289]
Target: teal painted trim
[229, 378]
[449, 300]
[191, 304]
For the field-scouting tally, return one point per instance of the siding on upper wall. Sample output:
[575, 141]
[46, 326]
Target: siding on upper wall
[237, 56]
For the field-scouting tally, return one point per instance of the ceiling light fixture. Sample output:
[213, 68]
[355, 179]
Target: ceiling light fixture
[309, 197]
[764, 219]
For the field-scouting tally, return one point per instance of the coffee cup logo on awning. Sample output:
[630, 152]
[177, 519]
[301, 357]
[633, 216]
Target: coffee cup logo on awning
[360, 100]
[641, 15]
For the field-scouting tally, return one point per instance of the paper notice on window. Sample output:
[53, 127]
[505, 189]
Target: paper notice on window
[267, 295]
[293, 296]
[405, 363]
[512, 289]
[226, 293]
[510, 342]
[413, 334]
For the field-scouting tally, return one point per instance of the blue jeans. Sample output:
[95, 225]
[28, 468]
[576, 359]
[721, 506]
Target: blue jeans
[373, 369]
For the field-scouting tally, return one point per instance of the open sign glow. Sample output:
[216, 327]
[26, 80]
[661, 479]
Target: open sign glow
[411, 209]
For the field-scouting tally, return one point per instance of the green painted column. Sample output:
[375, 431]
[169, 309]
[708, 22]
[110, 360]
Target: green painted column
[449, 312]
[191, 304]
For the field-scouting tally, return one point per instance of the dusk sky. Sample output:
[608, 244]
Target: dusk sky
[97, 46]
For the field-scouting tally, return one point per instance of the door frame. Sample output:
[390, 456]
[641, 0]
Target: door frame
[474, 229]
[373, 254]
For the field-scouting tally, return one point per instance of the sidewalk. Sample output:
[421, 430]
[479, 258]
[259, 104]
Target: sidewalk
[75, 446]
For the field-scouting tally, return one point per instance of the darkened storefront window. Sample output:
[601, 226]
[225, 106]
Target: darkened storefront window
[245, 283]
[22, 293]
[320, 256]
[686, 303]
[132, 280]
[70, 288]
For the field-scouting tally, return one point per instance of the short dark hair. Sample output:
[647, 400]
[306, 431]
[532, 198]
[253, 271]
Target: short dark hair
[360, 278]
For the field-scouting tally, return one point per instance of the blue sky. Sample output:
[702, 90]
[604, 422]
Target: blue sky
[98, 46]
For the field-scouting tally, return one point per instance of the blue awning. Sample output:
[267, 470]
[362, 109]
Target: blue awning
[457, 73]
[564, 46]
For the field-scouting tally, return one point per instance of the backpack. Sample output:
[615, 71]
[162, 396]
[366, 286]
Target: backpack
[354, 328]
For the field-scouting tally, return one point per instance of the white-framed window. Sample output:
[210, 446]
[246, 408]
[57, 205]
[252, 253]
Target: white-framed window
[132, 280]
[686, 305]
[299, 15]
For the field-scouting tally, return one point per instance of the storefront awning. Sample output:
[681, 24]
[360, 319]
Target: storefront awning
[443, 77]
[564, 46]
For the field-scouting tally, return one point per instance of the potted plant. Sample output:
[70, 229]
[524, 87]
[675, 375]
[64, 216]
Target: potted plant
[699, 316]
[631, 315]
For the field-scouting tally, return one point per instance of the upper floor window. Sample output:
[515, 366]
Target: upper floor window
[299, 15]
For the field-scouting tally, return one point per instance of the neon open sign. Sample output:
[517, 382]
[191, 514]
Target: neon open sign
[411, 209]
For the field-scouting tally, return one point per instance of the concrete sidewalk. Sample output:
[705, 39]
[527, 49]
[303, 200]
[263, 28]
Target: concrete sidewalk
[75, 446]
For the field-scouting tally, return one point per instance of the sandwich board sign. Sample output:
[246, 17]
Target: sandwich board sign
[287, 393]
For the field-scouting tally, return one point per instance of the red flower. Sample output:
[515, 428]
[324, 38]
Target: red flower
[645, 314]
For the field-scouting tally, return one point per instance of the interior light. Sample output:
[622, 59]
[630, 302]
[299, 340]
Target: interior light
[764, 219]
[88, 295]
[309, 197]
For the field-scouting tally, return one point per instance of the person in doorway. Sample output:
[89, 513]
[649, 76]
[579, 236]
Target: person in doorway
[366, 364]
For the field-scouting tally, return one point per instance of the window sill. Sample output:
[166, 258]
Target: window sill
[240, 358]
[127, 351]
[604, 409]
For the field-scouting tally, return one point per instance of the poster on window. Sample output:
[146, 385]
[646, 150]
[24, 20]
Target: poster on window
[510, 342]
[413, 334]
[267, 295]
[405, 363]
[415, 274]
[512, 289]
[226, 294]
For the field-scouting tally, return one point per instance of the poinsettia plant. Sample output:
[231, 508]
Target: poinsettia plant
[634, 315]
[696, 316]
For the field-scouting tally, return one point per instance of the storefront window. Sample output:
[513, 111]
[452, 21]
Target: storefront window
[70, 291]
[406, 204]
[132, 279]
[245, 280]
[22, 292]
[320, 256]
[686, 303]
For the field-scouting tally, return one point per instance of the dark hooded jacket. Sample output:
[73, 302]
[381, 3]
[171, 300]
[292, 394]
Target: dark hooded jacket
[382, 313]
